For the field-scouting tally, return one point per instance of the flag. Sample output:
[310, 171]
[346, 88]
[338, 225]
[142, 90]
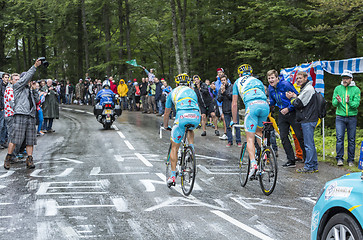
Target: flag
[337, 67]
[133, 63]
[315, 74]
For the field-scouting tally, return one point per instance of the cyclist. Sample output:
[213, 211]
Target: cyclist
[253, 95]
[187, 112]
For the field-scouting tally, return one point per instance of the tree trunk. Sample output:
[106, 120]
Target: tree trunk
[24, 53]
[182, 14]
[79, 42]
[29, 51]
[42, 41]
[17, 55]
[175, 36]
[121, 27]
[106, 19]
[85, 32]
[200, 63]
[128, 31]
[55, 53]
[36, 36]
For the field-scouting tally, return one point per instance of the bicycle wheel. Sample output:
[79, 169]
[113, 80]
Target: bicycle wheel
[268, 171]
[244, 165]
[188, 170]
[168, 167]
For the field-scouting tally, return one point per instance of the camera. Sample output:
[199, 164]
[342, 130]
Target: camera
[45, 63]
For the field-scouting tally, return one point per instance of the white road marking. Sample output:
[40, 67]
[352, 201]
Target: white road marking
[63, 174]
[129, 145]
[121, 134]
[204, 169]
[76, 110]
[243, 203]
[2, 186]
[3, 204]
[257, 202]
[189, 203]
[1, 217]
[71, 160]
[214, 158]
[308, 199]
[96, 172]
[45, 186]
[241, 225]
[118, 158]
[144, 160]
[149, 184]
[115, 127]
[67, 108]
[7, 174]
[90, 113]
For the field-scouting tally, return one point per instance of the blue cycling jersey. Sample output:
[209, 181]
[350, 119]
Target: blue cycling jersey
[183, 98]
[249, 88]
[105, 96]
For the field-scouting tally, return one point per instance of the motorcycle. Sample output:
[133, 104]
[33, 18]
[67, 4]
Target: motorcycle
[107, 113]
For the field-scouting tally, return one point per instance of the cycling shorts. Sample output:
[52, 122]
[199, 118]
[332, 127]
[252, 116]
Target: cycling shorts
[182, 118]
[256, 113]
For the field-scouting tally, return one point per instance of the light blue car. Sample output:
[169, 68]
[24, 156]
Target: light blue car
[338, 212]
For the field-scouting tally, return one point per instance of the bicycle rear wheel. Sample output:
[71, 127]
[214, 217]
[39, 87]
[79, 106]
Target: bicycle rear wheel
[268, 171]
[188, 170]
[168, 167]
[244, 165]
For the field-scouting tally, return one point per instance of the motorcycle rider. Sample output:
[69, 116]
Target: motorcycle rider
[106, 95]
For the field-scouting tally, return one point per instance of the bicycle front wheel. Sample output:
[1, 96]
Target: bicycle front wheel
[188, 170]
[168, 167]
[244, 165]
[268, 168]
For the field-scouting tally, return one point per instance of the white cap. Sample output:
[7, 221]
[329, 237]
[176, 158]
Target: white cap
[347, 73]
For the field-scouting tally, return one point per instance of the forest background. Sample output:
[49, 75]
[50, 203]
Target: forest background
[174, 36]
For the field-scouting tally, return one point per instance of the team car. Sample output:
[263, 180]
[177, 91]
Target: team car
[338, 212]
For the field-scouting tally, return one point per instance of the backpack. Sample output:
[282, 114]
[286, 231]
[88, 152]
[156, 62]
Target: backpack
[321, 102]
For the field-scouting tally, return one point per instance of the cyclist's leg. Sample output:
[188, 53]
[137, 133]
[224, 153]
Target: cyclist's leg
[250, 129]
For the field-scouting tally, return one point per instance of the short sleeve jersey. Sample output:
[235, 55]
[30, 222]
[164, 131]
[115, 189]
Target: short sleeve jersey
[183, 98]
[249, 88]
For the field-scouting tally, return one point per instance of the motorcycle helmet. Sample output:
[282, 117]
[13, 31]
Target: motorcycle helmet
[245, 69]
[106, 83]
[182, 79]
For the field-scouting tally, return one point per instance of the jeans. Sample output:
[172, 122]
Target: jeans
[4, 132]
[41, 119]
[48, 123]
[342, 123]
[124, 103]
[311, 160]
[68, 98]
[160, 107]
[285, 121]
[227, 120]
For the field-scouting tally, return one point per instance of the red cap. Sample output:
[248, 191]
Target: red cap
[220, 69]
[135, 80]
[162, 79]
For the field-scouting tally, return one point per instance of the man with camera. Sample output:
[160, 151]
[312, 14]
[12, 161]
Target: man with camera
[25, 97]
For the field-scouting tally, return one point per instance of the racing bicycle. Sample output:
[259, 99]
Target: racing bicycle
[186, 164]
[266, 161]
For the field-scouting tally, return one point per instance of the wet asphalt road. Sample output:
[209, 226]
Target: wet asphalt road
[90, 183]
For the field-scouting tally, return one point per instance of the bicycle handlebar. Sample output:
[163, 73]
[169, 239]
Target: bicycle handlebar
[165, 129]
[238, 126]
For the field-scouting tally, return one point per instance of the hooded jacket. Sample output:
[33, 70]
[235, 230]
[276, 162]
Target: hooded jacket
[226, 99]
[122, 89]
[350, 108]
[21, 95]
[306, 104]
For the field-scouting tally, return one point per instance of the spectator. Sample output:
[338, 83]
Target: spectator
[298, 151]
[79, 91]
[287, 114]
[150, 74]
[143, 94]
[85, 92]
[131, 95]
[40, 110]
[62, 93]
[166, 90]
[158, 93]
[24, 115]
[50, 106]
[346, 98]
[225, 96]
[137, 95]
[113, 86]
[218, 84]
[205, 104]
[122, 90]
[90, 93]
[68, 93]
[307, 114]
[98, 86]
[151, 89]
[3, 129]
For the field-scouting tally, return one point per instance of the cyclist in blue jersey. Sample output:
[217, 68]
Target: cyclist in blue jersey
[253, 95]
[187, 112]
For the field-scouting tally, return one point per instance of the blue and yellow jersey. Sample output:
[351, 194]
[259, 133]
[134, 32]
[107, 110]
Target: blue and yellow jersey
[249, 88]
[183, 98]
